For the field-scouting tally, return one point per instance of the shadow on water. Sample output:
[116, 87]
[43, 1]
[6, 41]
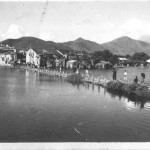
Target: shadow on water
[120, 96]
[45, 78]
[131, 98]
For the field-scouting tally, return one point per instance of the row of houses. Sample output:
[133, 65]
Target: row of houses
[53, 59]
[41, 58]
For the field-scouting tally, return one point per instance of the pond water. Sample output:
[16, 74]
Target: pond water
[131, 71]
[41, 108]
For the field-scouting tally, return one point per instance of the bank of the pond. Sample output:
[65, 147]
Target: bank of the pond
[140, 91]
[69, 75]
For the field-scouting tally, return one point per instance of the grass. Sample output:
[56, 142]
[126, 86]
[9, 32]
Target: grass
[138, 90]
[75, 78]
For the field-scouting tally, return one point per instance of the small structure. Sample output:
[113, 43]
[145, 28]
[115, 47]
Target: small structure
[122, 61]
[7, 57]
[85, 64]
[72, 63]
[148, 61]
[103, 64]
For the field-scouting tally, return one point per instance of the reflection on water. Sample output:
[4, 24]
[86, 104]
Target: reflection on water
[129, 103]
[36, 107]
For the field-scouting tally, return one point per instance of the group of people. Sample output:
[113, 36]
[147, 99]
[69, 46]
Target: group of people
[143, 78]
[125, 76]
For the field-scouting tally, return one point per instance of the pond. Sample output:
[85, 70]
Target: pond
[41, 108]
[131, 73]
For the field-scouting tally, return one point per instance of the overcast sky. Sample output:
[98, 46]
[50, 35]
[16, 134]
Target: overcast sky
[99, 21]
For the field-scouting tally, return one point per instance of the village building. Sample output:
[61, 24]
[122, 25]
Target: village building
[63, 57]
[40, 58]
[72, 63]
[21, 58]
[7, 57]
[122, 61]
[103, 65]
[148, 61]
[32, 58]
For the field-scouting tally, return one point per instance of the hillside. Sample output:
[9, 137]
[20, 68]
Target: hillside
[120, 46]
[83, 45]
[25, 43]
[125, 45]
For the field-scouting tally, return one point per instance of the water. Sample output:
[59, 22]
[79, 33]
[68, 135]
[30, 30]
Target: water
[40, 108]
[132, 72]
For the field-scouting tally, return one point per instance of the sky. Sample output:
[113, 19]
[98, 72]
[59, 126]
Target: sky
[61, 21]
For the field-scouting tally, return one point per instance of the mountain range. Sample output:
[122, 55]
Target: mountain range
[120, 46]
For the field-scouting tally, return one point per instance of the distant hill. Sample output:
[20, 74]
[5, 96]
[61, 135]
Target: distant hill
[125, 45]
[120, 46]
[25, 43]
[84, 45]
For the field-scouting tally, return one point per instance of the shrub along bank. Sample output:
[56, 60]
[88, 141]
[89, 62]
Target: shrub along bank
[75, 78]
[141, 91]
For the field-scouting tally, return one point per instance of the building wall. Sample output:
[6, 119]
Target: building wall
[5, 59]
[32, 57]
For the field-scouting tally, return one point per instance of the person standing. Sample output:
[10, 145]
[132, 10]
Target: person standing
[114, 74]
[143, 77]
[136, 80]
[125, 75]
[86, 73]
[60, 69]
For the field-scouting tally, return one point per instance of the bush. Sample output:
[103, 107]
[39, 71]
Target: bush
[75, 78]
[115, 86]
[130, 88]
[139, 90]
[142, 91]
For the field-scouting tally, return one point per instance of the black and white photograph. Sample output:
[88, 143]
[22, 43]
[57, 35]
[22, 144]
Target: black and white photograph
[74, 74]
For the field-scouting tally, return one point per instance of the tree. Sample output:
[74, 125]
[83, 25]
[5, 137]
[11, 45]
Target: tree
[97, 56]
[106, 55]
[140, 56]
[114, 59]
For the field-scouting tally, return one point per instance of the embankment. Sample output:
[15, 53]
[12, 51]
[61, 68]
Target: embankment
[139, 91]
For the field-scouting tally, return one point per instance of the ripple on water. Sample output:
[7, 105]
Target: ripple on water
[73, 113]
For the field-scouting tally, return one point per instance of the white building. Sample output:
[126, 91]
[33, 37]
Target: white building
[7, 57]
[71, 63]
[32, 57]
[123, 59]
[148, 61]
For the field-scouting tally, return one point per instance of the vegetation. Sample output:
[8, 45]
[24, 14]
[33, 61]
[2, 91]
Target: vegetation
[75, 78]
[140, 56]
[120, 46]
[139, 90]
[105, 55]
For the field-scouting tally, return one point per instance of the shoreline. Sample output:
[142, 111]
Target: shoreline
[67, 73]
[139, 91]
